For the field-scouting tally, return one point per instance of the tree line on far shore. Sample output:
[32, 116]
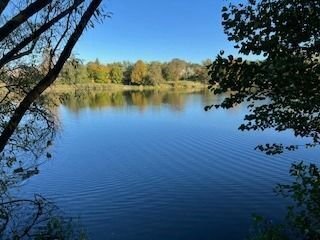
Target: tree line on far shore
[128, 73]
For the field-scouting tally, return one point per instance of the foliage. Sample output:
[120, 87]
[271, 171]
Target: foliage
[154, 75]
[73, 72]
[199, 72]
[175, 70]
[264, 229]
[139, 73]
[282, 90]
[304, 214]
[97, 72]
[116, 74]
[35, 218]
[127, 70]
[59, 228]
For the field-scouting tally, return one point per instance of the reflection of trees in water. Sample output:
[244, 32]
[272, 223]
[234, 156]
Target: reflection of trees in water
[30, 218]
[139, 99]
[208, 98]
[33, 218]
[94, 100]
[176, 100]
[157, 98]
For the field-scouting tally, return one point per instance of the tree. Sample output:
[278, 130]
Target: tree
[283, 88]
[154, 75]
[199, 72]
[81, 74]
[116, 74]
[203, 71]
[57, 27]
[175, 69]
[92, 69]
[98, 72]
[127, 70]
[139, 73]
[73, 72]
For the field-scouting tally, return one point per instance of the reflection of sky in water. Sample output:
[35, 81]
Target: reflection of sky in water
[169, 171]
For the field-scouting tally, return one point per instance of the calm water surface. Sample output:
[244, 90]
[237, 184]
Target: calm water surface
[152, 165]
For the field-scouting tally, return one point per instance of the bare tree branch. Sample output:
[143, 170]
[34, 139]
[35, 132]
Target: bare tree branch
[22, 54]
[21, 17]
[63, 35]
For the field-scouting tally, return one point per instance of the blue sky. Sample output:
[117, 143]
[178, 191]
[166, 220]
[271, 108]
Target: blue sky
[157, 30]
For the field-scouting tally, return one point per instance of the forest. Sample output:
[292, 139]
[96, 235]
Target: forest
[139, 73]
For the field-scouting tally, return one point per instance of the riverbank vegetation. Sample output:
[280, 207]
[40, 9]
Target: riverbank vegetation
[175, 73]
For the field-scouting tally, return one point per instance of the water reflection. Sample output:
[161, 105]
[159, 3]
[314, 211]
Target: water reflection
[176, 100]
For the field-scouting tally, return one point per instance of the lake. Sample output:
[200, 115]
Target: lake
[155, 165]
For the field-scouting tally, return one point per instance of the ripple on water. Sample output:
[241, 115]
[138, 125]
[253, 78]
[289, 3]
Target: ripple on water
[166, 176]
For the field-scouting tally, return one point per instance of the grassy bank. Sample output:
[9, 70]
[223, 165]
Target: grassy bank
[181, 85]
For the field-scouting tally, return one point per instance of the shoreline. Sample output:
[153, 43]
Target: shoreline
[181, 85]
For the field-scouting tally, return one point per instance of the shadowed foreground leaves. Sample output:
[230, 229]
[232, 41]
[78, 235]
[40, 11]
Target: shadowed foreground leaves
[282, 89]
